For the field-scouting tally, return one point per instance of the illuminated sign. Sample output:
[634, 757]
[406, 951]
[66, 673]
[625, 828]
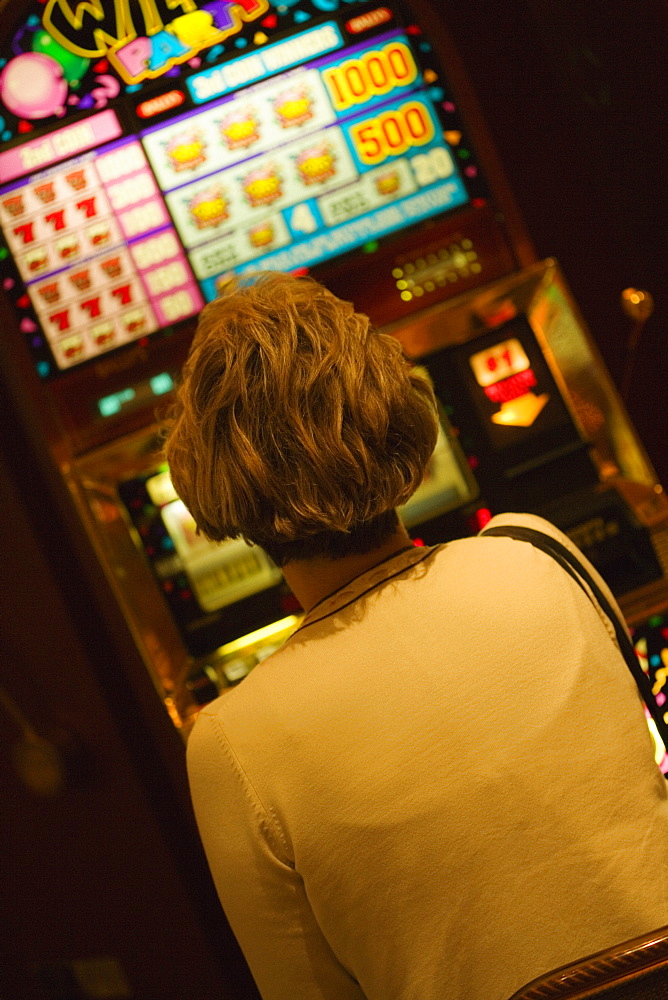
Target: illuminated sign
[503, 372]
[521, 411]
[240, 72]
[158, 105]
[358, 25]
[506, 358]
[298, 168]
[219, 573]
[144, 40]
[68, 141]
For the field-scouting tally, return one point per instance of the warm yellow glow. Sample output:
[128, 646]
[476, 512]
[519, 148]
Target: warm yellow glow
[661, 675]
[160, 489]
[173, 712]
[406, 296]
[659, 748]
[637, 304]
[521, 412]
[260, 634]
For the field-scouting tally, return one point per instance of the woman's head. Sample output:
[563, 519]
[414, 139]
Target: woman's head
[297, 426]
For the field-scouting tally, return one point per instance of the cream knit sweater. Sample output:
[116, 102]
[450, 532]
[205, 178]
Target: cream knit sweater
[440, 787]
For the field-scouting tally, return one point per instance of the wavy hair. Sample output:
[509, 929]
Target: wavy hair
[297, 426]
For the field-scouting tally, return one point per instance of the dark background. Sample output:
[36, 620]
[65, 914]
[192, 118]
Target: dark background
[574, 96]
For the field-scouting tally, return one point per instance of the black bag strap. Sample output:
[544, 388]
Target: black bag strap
[572, 565]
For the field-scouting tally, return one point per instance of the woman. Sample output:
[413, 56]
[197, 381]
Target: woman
[442, 785]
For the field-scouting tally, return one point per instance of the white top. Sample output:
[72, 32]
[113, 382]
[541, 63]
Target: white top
[442, 786]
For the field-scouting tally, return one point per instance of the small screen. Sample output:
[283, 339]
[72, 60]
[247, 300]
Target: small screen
[447, 484]
[219, 574]
[513, 391]
[500, 387]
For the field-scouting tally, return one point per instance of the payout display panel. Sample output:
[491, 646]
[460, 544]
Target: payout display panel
[141, 169]
[289, 173]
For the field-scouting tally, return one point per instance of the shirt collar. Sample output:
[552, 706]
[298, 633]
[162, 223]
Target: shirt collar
[394, 565]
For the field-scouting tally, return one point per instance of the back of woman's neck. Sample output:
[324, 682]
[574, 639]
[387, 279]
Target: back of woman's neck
[312, 579]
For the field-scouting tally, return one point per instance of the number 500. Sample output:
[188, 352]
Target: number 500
[393, 132]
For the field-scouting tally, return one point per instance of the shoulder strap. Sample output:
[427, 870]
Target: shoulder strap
[572, 565]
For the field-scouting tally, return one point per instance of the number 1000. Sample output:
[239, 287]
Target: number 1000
[373, 74]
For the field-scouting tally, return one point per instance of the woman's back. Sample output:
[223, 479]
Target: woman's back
[441, 787]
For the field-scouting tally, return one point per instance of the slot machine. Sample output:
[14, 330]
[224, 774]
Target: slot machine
[152, 151]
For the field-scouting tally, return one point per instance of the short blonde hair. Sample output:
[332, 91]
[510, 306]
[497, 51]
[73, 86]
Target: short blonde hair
[295, 420]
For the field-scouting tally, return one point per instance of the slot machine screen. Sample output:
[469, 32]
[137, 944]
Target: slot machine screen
[500, 387]
[146, 158]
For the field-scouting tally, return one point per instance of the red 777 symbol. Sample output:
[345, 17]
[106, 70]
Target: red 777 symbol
[87, 206]
[92, 306]
[57, 218]
[61, 319]
[25, 231]
[123, 293]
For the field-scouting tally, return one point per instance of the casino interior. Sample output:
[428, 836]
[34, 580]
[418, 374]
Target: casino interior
[484, 184]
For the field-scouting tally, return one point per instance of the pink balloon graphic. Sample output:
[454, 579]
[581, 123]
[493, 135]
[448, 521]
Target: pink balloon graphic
[33, 86]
